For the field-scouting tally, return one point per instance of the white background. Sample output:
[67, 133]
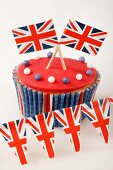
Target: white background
[98, 13]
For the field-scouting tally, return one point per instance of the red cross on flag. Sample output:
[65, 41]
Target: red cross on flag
[83, 37]
[98, 113]
[110, 99]
[43, 127]
[35, 37]
[14, 133]
[70, 120]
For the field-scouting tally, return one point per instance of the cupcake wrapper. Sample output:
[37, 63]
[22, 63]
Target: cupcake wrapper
[27, 103]
[20, 87]
[67, 100]
[16, 92]
[33, 102]
[76, 98]
[62, 99]
[86, 95]
[40, 102]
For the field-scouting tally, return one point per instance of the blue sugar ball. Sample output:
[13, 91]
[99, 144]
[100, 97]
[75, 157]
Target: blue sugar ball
[89, 72]
[49, 54]
[37, 77]
[65, 80]
[26, 63]
[82, 59]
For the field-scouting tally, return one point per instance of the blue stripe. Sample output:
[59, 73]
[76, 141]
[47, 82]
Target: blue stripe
[90, 89]
[85, 95]
[55, 106]
[76, 98]
[72, 99]
[30, 95]
[62, 101]
[55, 102]
[67, 95]
[40, 101]
[23, 97]
[27, 112]
[35, 99]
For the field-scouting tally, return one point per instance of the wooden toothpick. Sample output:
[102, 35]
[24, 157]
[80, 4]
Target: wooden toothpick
[53, 56]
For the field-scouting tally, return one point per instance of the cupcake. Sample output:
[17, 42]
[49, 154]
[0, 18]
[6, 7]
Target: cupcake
[42, 90]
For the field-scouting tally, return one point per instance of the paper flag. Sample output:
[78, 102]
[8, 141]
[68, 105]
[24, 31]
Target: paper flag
[83, 37]
[110, 99]
[42, 125]
[43, 128]
[14, 133]
[70, 120]
[98, 112]
[35, 37]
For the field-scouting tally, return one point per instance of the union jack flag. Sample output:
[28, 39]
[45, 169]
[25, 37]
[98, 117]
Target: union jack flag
[82, 37]
[43, 127]
[70, 120]
[98, 112]
[35, 37]
[14, 133]
[110, 99]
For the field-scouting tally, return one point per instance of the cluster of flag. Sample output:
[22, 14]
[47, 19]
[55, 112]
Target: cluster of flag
[42, 125]
[42, 36]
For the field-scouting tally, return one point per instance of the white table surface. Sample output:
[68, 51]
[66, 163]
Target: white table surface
[94, 153]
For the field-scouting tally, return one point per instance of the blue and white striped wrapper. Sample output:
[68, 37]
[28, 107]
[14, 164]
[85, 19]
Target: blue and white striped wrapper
[16, 91]
[31, 102]
[27, 103]
[35, 103]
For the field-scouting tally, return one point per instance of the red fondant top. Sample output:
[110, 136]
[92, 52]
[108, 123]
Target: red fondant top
[73, 67]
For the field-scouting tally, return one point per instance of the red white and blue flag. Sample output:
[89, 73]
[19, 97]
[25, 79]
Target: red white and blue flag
[70, 120]
[83, 37]
[14, 133]
[43, 127]
[98, 112]
[110, 99]
[35, 37]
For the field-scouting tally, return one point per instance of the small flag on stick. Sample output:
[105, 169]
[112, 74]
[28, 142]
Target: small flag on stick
[83, 37]
[35, 37]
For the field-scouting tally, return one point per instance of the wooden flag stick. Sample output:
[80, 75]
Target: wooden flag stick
[53, 56]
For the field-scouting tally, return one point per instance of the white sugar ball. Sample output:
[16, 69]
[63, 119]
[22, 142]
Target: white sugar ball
[89, 65]
[27, 71]
[51, 79]
[37, 58]
[79, 76]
